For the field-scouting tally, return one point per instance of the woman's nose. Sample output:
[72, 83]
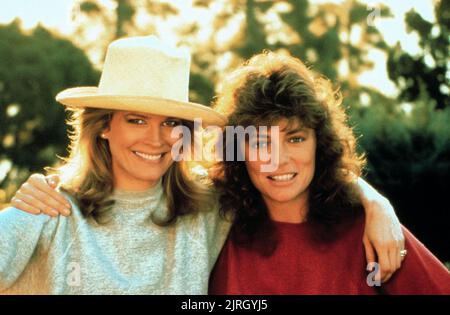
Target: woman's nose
[279, 156]
[283, 154]
[153, 136]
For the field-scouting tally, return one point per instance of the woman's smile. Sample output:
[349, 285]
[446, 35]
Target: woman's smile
[149, 158]
[282, 179]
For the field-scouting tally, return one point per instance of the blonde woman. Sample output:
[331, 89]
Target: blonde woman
[181, 244]
[139, 224]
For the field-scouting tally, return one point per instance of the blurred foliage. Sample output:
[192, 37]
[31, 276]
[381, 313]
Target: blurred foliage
[407, 145]
[33, 69]
[409, 162]
[113, 22]
[427, 74]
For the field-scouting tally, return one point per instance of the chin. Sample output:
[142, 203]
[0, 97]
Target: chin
[150, 177]
[282, 197]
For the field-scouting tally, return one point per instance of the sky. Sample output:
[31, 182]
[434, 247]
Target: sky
[56, 15]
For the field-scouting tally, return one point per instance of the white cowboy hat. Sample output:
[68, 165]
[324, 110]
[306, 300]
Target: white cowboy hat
[142, 74]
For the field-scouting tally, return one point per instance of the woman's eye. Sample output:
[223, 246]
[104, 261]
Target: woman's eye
[296, 139]
[171, 123]
[136, 121]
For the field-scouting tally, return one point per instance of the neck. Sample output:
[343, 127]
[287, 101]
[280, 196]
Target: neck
[125, 182]
[292, 211]
[133, 185]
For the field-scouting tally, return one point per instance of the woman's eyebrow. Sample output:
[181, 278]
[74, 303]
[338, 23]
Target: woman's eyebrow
[136, 115]
[292, 131]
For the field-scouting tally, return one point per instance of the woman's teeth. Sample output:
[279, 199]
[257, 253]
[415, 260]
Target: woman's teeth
[148, 157]
[283, 178]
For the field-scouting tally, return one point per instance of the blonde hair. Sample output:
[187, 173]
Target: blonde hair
[87, 175]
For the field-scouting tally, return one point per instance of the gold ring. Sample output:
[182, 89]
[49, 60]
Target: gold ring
[403, 253]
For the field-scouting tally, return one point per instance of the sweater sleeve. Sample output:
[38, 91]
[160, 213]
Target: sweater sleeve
[421, 271]
[20, 233]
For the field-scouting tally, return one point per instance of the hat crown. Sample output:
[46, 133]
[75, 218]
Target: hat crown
[145, 66]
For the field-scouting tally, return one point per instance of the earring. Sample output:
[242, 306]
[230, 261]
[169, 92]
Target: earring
[103, 136]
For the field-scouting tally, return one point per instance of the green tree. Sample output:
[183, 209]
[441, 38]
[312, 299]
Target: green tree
[319, 34]
[409, 161]
[33, 69]
[425, 76]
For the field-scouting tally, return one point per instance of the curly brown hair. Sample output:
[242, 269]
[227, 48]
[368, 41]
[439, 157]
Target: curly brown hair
[268, 88]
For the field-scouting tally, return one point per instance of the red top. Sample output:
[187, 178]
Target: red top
[301, 266]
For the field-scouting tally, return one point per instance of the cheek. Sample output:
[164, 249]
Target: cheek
[306, 163]
[252, 168]
[310, 162]
[122, 135]
[118, 144]
[255, 174]
[170, 140]
[310, 170]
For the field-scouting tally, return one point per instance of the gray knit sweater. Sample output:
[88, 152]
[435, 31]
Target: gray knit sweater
[128, 255]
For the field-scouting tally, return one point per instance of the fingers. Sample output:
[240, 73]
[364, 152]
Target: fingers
[395, 251]
[53, 180]
[399, 244]
[393, 255]
[402, 246]
[29, 200]
[36, 196]
[41, 200]
[398, 260]
[370, 253]
[40, 182]
[371, 257]
[385, 266]
[389, 257]
[19, 204]
[41, 190]
[398, 255]
[390, 261]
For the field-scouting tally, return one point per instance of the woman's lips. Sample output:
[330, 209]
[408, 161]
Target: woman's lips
[149, 157]
[282, 177]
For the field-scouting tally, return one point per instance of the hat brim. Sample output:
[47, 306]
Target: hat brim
[90, 97]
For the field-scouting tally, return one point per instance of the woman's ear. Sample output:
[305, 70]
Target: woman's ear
[105, 133]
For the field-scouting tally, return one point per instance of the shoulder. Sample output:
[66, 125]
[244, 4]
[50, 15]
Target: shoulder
[17, 224]
[75, 209]
[12, 216]
[349, 230]
[209, 216]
